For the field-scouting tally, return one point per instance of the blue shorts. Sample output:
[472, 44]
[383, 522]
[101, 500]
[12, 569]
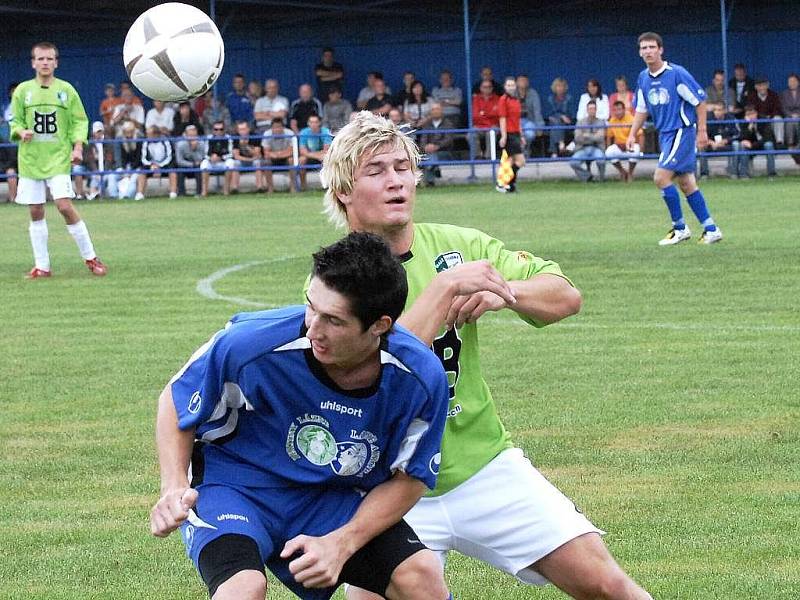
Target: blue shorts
[678, 150]
[270, 517]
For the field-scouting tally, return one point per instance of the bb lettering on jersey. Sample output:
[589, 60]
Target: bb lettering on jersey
[44, 124]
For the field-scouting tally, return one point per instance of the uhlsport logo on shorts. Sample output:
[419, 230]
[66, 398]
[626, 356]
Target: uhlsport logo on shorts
[435, 463]
[309, 437]
[194, 402]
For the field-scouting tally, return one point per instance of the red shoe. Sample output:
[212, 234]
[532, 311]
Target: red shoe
[37, 273]
[96, 266]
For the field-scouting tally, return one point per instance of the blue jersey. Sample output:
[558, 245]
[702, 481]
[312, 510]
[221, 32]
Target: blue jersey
[670, 96]
[267, 415]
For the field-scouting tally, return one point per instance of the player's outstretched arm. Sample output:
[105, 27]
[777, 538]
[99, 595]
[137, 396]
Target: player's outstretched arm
[426, 317]
[638, 120]
[323, 557]
[174, 454]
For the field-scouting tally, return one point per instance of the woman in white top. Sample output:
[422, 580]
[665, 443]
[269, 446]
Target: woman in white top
[594, 92]
[417, 109]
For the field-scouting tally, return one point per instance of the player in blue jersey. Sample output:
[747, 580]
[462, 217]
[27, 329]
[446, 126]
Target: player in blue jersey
[676, 103]
[310, 431]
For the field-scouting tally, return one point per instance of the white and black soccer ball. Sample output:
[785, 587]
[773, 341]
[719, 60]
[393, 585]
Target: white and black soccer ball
[173, 52]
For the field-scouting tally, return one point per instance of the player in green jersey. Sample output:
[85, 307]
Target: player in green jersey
[490, 502]
[51, 126]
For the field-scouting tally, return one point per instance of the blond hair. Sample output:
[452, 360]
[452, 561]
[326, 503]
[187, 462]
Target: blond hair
[361, 138]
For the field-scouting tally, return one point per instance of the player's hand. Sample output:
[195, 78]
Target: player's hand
[702, 139]
[321, 561]
[468, 309]
[26, 135]
[477, 276]
[171, 510]
[77, 156]
[630, 142]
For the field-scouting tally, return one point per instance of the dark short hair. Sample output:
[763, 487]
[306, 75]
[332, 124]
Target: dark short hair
[327, 49]
[361, 268]
[376, 74]
[617, 103]
[750, 108]
[718, 72]
[739, 66]
[276, 120]
[592, 103]
[650, 36]
[44, 46]
[762, 79]
[239, 76]
[793, 74]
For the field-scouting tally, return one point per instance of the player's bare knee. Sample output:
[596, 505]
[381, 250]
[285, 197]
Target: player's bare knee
[244, 585]
[419, 577]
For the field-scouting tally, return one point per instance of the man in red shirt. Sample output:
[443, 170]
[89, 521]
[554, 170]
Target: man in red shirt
[484, 110]
[509, 111]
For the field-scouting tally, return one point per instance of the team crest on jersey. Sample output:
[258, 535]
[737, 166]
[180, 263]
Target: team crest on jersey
[28, 98]
[310, 437]
[658, 96]
[62, 97]
[448, 260]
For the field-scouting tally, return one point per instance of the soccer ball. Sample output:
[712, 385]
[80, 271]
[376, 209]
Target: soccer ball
[173, 52]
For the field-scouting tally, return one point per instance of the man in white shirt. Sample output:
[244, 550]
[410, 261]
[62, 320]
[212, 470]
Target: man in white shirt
[160, 116]
[270, 106]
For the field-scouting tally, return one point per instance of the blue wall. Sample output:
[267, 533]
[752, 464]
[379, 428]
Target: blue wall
[291, 60]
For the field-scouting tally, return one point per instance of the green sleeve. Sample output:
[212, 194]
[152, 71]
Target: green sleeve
[80, 122]
[518, 265]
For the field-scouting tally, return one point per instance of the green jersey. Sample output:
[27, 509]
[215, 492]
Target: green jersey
[56, 116]
[473, 434]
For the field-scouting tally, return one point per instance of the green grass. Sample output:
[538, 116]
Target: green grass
[668, 409]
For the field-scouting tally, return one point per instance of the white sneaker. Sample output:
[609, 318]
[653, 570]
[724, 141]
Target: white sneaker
[675, 236]
[503, 189]
[92, 195]
[173, 195]
[139, 196]
[710, 237]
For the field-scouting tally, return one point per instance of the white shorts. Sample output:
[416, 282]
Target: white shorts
[507, 515]
[224, 165]
[33, 191]
[615, 153]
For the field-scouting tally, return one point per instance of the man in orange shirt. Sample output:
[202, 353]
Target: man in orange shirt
[108, 103]
[619, 126]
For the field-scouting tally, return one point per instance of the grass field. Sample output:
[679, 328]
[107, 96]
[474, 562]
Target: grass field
[668, 409]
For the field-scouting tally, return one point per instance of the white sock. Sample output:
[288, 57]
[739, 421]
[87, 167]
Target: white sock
[81, 235]
[38, 233]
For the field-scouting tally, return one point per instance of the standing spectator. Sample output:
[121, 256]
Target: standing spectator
[314, 143]
[450, 97]
[436, 144]
[381, 102]
[130, 159]
[741, 85]
[329, 74]
[336, 112]
[417, 108]
[755, 136]
[589, 145]
[619, 126]
[247, 154]
[790, 101]
[129, 108]
[277, 150]
[238, 102]
[185, 117]
[156, 156]
[560, 111]
[100, 157]
[368, 91]
[487, 75]
[722, 137]
[676, 104]
[532, 120]
[219, 158]
[509, 113]
[254, 91]
[302, 108]
[484, 113]
[270, 105]
[594, 92]
[622, 94]
[216, 111]
[161, 117]
[719, 94]
[200, 104]
[768, 105]
[190, 153]
[109, 102]
[405, 89]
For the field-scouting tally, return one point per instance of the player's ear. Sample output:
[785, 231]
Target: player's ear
[381, 326]
[343, 198]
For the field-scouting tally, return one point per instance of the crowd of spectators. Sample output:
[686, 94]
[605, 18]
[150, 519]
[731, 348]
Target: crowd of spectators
[253, 127]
